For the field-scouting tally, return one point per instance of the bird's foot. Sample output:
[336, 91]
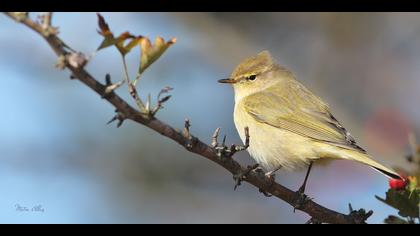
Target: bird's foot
[300, 199]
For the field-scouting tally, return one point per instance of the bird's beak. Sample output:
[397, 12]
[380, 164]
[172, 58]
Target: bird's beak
[227, 81]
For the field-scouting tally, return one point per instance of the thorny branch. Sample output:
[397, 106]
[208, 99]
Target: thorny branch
[219, 154]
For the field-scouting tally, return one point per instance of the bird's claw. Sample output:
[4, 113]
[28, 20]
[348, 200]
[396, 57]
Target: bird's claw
[300, 199]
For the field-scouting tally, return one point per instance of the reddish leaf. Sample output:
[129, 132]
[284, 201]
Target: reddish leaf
[104, 30]
[103, 26]
[124, 49]
[149, 53]
[110, 40]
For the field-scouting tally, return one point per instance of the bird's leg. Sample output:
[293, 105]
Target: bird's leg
[302, 188]
[301, 198]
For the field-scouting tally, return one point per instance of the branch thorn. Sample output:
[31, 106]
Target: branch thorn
[120, 117]
[189, 142]
[242, 174]
[359, 216]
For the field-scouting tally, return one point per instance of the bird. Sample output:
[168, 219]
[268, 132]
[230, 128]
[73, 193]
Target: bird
[289, 126]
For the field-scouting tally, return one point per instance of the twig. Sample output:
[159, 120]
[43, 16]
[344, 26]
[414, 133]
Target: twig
[110, 87]
[160, 101]
[125, 111]
[132, 88]
[48, 29]
[222, 150]
[189, 139]
[47, 17]
[214, 138]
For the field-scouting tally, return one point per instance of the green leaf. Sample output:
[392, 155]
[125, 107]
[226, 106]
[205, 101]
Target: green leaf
[150, 53]
[127, 48]
[124, 49]
[405, 201]
[119, 42]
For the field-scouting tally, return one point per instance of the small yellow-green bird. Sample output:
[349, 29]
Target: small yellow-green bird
[290, 127]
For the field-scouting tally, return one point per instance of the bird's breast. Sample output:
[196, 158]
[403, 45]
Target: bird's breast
[270, 146]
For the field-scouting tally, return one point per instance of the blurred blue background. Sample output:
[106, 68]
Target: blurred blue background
[57, 151]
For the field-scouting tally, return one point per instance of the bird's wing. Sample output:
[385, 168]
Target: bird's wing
[297, 110]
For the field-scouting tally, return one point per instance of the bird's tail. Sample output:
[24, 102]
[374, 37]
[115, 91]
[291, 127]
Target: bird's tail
[365, 159]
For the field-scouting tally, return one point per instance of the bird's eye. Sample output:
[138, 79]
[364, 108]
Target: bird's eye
[251, 77]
